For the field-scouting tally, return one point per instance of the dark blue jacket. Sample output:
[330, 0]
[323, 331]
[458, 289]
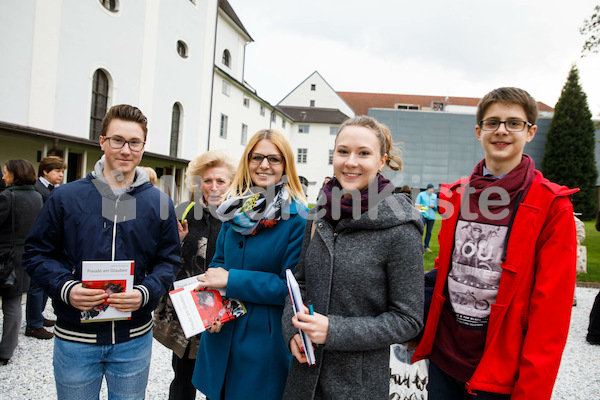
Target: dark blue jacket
[76, 224]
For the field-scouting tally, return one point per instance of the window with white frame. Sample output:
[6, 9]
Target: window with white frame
[312, 103]
[262, 110]
[226, 60]
[303, 128]
[182, 49]
[273, 118]
[175, 129]
[302, 155]
[100, 88]
[283, 123]
[110, 5]
[226, 88]
[330, 157]
[313, 87]
[333, 130]
[223, 128]
[244, 140]
[246, 101]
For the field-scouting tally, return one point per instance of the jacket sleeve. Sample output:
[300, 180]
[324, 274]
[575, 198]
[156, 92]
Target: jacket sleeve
[166, 262]
[550, 305]
[404, 318]
[42, 259]
[289, 330]
[262, 287]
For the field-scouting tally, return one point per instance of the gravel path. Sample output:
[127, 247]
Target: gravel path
[29, 373]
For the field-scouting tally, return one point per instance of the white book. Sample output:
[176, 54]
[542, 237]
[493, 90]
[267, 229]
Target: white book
[298, 307]
[112, 277]
[197, 310]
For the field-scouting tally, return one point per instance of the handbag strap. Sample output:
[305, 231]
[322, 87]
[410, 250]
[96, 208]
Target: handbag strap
[12, 216]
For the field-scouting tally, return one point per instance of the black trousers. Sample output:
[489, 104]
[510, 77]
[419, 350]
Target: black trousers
[442, 386]
[182, 388]
[593, 334]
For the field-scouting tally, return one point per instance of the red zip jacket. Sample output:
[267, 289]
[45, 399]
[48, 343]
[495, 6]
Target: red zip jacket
[529, 323]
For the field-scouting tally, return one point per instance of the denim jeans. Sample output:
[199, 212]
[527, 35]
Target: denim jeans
[428, 223]
[79, 368]
[36, 302]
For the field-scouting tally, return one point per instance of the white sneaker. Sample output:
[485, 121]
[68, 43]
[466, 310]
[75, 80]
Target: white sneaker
[427, 250]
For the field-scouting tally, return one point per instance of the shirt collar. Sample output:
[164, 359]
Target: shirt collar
[487, 173]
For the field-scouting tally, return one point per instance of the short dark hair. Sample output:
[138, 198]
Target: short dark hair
[49, 163]
[125, 112]
[22, 171]
[509, 95]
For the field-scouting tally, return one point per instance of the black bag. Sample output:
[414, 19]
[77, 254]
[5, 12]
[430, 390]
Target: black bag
[8, 276]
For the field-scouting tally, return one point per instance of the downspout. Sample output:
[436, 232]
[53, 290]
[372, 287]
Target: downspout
[212, 79]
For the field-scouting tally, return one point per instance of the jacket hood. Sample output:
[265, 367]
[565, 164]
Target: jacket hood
[393, 210]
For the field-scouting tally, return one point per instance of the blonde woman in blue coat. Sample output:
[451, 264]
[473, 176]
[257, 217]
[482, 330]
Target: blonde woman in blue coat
[263, 225]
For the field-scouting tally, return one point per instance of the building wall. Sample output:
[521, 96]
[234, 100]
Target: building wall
[323, 95]
[441, 147]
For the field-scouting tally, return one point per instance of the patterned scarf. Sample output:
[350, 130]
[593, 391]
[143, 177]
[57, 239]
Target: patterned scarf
[346, 203]
[253, 213]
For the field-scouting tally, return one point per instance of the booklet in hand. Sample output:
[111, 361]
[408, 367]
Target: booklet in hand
[197, 310]
[298, 307]
[112, 277]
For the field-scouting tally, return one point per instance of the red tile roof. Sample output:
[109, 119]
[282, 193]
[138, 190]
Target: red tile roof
[362, 102]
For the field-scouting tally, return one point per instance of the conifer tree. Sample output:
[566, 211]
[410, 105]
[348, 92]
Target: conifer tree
[570, 144]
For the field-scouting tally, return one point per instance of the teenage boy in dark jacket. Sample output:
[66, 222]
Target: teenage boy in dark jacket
[501, 307]
[114, 213]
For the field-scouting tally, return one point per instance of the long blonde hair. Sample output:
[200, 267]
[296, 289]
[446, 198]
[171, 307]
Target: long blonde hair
[242, 181]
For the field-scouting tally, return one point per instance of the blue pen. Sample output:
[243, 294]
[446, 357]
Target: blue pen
[310, 308]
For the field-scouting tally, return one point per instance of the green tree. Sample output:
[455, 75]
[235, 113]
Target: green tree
[591, 29]
[570, 143]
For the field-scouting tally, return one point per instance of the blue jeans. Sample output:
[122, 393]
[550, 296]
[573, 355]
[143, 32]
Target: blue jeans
[36, 302]
[428, 223]
[79, 368]
[442, 386]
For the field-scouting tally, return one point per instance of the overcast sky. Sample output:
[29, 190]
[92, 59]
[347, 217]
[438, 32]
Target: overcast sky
[438, 47]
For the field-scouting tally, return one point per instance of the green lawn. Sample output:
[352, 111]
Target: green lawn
[592, 242]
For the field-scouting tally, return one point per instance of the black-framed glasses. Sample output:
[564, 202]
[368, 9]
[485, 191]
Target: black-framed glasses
[273, 159]
[117, 143]
[512, 125]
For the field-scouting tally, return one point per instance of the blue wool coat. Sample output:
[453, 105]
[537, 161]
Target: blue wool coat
[248, 358]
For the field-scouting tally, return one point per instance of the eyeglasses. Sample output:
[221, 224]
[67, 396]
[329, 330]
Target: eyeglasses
[118, 143]
[512, 125]
[273, 159]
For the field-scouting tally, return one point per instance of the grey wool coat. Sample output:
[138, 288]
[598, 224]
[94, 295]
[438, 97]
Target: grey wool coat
[27, 205]
[366, 276]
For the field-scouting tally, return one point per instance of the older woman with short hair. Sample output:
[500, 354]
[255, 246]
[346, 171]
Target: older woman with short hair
[208, 177]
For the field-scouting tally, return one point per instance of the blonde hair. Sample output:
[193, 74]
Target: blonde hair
[394, 162]
[210, 159]
[151, 174]
[242, 181]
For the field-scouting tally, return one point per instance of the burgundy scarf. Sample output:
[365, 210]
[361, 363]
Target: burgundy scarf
[516, 183]
[346, 203]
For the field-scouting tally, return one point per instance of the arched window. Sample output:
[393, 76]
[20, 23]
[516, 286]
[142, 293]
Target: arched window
[110, 5]
[182, 49]
[226, 58]
[99, 103]
[175, 126]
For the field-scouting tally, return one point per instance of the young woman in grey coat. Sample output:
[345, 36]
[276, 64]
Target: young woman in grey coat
[23, 203]
[361, 268]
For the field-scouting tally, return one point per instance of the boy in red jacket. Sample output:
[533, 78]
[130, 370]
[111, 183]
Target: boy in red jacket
[501, 306]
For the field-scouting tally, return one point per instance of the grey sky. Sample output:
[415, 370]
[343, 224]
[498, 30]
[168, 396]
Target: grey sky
[457, 48]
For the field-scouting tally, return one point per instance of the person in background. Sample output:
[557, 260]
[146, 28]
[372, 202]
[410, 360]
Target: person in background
[426, 203]
[407, 191]
[19, 207]
[113, 214]
[50, 175]
[261, 236]
[593, 335]
[327, 179]
[361, 270]
[208, 176]
[501, 306]
[151, 175]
